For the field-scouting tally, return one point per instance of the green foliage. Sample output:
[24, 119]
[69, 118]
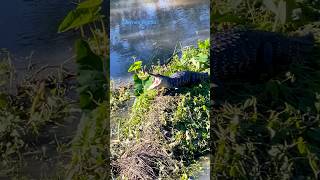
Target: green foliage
[131, 128]
[90, 146]
[22, 118]
[192, 59]
[142, 81]
[265, 143]
[4, 73]
[141, 85]
[275, 15]
[185, 116]
[136, 66]
[191, 124]
[11, 136]
[91, 78]
[86, 12]
[272, 135]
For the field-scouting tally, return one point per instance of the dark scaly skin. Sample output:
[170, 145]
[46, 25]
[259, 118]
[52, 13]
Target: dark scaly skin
[182, 79]
[187, 78]
[247, 53]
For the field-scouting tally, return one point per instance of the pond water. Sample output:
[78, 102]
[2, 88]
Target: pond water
[30, 27]
[150, 30]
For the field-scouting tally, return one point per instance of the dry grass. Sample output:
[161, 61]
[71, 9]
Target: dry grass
[145, 160]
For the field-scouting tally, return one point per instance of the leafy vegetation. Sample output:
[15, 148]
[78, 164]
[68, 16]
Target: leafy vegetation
[273, 15]
[25, 111]
[268, 130]
[179, 123]
[90, 151]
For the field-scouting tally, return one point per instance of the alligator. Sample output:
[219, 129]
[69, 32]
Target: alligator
[178, 79]
[242, 53]
[246, 54]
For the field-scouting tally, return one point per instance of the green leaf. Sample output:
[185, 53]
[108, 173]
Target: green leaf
[138, 86]
[79, 17]
[204, 45]
[135, 66]
[301, 146]
[91, 78]
[147, 82]
[203, 58]
[86, 58]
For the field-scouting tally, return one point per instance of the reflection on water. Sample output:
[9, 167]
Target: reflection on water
[150, 30]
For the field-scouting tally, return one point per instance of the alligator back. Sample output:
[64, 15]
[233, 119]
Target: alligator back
[244, 52]
[187, 78]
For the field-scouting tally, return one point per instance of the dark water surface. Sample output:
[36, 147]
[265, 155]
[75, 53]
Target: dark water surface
[28, 26]
[150, 30]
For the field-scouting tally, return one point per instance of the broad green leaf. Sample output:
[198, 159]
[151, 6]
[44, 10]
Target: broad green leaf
[138, 86]
[203, 58]
[301, 146]
[90, 76]
[79, 17]
[147, 82]
[204, 45]
[135, 66]
[86, 58]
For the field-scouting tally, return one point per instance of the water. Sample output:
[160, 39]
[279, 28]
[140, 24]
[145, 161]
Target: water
[150, 30]
[30, 27]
